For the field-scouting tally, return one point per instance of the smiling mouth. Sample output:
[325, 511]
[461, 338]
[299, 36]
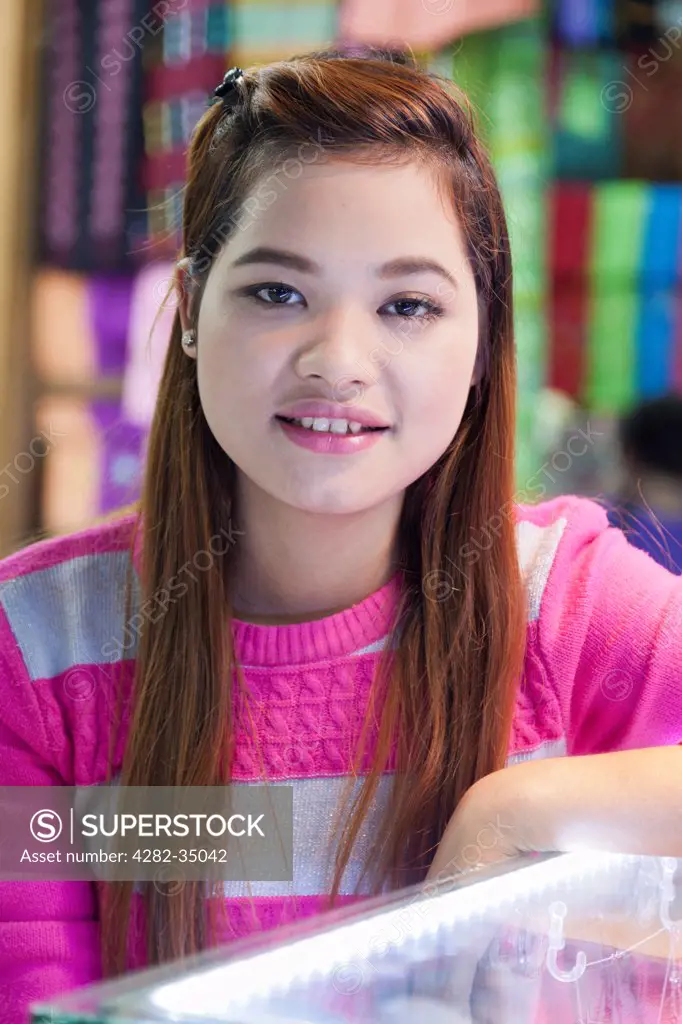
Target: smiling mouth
[323, 425]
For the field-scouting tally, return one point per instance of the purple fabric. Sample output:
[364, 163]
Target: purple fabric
[115, 64]
[65, 99]
[577, 22]
[122, 453]
[659, 536]
[109, 308]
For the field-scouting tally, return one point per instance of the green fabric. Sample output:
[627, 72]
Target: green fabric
[610, 384]
[531, 334]
[271, 24]
[581, 110]
[619, 213]
[473, 69]
[527, 223]
[502, 71]
[618, 224]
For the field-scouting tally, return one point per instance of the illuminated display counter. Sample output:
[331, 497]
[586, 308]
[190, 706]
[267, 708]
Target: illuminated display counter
[569, 939]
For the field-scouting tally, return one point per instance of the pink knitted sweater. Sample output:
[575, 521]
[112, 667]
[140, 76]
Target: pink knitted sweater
[602, 673]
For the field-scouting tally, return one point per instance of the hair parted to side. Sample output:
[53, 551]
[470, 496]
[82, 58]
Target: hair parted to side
[445, 692]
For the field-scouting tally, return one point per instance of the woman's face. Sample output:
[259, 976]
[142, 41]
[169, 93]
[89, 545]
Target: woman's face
[347, 300]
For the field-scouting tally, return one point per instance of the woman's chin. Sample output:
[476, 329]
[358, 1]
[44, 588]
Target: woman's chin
[328, 504]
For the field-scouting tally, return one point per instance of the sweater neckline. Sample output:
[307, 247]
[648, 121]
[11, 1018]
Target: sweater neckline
[350, 631]
[347, 632]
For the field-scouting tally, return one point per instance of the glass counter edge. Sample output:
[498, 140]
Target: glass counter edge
[113, 1000]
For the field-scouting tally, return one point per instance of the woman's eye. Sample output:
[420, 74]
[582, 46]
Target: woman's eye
[414, 309]
[276, 295]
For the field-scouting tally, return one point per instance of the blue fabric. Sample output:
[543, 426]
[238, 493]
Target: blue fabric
[655, 343]
[578, 22]
[662, 237]
[660, 537]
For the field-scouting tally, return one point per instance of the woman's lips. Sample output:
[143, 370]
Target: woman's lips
[331, 411]
[327, 443]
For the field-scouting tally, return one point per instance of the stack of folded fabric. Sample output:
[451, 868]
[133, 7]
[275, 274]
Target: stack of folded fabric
[80, 327]
[80, 331]
[90, 293]
[658, 362]
[94, 464]
[267, 30]
[616, 207]
[617, 90]
[570, 211]
[616, 292]
[585, 22]
[92, 207]
[99, 344]
[588, 100]
[182, 73]
[618, 224]
[503, 73]
[652, 142]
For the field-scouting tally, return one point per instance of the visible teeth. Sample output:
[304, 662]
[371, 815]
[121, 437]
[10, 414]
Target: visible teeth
[328, 426]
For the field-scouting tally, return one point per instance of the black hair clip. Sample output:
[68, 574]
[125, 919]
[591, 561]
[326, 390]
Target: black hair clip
[229, 83]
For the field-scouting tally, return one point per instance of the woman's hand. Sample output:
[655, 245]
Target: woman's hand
[497, 818]
[626, 802]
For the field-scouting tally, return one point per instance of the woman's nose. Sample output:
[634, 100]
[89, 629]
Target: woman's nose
[343, 351]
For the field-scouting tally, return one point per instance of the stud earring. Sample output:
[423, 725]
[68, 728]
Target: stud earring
[189, 339]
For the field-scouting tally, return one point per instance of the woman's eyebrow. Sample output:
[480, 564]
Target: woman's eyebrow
[264, 254]
[414, 265]
[399, 267]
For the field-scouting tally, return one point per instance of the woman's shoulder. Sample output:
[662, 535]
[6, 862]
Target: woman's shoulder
[106, 538]
[552, 533]
[62, 612]
[604, 630]
[62, 598]
[571, 510]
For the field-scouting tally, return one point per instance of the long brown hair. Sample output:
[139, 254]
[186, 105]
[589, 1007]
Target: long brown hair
[451, 666]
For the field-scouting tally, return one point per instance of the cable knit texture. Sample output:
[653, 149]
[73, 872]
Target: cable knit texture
[604, 646]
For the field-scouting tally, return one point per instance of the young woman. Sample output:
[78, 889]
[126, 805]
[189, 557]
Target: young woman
[330, 571]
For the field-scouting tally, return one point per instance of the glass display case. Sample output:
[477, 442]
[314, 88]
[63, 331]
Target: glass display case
[543, 939]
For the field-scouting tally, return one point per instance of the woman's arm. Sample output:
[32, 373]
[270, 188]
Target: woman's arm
[49, 930]
[604, 664]
[628, 801]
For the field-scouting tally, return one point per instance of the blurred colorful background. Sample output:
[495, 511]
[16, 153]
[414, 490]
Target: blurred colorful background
[580, 102]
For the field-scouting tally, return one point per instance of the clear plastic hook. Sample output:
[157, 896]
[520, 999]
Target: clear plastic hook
[557, 912]
[668, 894]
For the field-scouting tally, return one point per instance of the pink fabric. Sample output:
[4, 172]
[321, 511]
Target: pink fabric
[602, 673]
[243, 918]
[426, 24]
